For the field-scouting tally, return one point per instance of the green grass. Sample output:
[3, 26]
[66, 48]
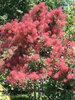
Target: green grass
[19, 97]
[26, 97]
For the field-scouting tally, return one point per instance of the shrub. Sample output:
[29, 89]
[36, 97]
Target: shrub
[37, 48]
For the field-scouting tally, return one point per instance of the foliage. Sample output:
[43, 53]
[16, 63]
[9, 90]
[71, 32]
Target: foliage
[52, 4]
[15, 9]
[70, 11]
[10, 9]
[60, 91]
[37, 49]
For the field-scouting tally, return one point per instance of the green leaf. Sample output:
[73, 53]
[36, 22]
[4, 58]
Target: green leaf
[19, 11]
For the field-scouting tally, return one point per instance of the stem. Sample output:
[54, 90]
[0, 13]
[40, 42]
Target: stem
[42, 90]
[29, 94]
[38, 93]
[53, 96]
[34, 92]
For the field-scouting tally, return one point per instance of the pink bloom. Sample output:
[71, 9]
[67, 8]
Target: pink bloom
[21, 75]
[48, 61]
[57, 75]
[63, 67]
[69, 76]
[64, 80]
[14, 75]
[30, 39]
[69, 51]
[34, 76]
[49, 71]
[72, 61]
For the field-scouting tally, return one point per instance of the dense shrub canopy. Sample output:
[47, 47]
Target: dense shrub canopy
[37, 48]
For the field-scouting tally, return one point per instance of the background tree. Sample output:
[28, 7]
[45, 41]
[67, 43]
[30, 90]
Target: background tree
[52, 3]
[10, 9]
[70, 11]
